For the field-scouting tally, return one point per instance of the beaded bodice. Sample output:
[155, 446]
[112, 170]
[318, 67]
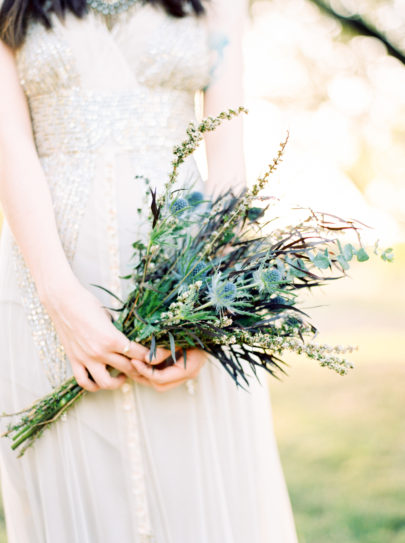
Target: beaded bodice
[132, 83]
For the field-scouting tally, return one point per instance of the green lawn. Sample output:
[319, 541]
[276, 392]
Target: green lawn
[342, 443]
[342, 439]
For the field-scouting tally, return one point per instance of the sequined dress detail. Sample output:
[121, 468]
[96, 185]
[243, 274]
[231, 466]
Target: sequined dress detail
[108, 102]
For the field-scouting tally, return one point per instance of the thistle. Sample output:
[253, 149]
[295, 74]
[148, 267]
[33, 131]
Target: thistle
[222, 293]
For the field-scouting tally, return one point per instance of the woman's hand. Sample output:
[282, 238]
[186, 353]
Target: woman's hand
[171, 376]
[91, 341]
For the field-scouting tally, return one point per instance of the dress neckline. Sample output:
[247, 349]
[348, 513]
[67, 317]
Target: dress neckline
[114, 7]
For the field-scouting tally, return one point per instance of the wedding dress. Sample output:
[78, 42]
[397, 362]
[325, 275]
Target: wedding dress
[107, 104]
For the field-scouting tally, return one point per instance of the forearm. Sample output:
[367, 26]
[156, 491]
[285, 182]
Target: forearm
[27, 206]
[225, 149]
[24, 193]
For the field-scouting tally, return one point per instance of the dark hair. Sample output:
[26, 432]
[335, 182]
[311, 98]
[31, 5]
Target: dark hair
[15, 14]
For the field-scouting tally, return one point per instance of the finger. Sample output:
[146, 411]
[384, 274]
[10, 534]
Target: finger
[159, 356]
[169, 386]
[135, 350]
[120, 344]
[122, 364]
[142, 380]
[83, 379]
[103, 378]
[161, 377]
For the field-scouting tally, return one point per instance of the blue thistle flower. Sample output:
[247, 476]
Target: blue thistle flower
[255, 213]
[195, 198]
[271, 276]
[200, 270]
[179, 205]
[268, 279]
[294, 322]
[229, 291]
[279, 300]
[222, 293]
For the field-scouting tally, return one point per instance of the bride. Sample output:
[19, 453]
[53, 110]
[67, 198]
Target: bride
[92, 96]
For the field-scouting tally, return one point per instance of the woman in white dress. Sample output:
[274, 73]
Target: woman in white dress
[91, 96]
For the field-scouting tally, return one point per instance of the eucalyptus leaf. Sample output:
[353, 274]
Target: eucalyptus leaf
[348, 252]
[321, 261]
[343, 262]
[388, 255]
[362, 255]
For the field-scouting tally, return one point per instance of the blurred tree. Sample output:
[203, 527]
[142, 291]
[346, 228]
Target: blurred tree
[339, 88]
[357, 23]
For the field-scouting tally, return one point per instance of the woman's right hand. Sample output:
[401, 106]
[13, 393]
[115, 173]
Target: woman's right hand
[91, 340]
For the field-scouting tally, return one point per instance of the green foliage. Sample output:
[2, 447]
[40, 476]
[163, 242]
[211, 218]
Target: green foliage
[207, 277]
[362, 255]
[321, 260]
[388, 255]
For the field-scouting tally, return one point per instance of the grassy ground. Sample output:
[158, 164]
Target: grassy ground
[342, 444]
[342, 439]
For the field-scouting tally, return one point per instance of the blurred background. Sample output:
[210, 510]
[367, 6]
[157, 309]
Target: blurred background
[333, 74]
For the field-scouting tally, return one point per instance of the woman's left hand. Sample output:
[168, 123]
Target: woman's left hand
[171, 376]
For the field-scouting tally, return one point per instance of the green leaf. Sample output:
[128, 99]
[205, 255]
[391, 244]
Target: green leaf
[152, 348]
[321, 260]
[343, 262]
[348, 252]
[362, 255]
[147, 331]
[172, 346]
[388, 255]
[139, 246]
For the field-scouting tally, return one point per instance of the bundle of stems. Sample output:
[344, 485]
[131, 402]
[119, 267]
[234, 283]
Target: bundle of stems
[213, 275]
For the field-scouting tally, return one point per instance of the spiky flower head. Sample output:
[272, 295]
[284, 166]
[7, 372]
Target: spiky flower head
[178, 206]
[293, 322]
[267, 279]
[254, 213]
[200, 270]
[279, 300]
[222, 293]
[195, 198]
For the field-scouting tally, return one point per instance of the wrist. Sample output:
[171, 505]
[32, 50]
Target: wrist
[54, 288]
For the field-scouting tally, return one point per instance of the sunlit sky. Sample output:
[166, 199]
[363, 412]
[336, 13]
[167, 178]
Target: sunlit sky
[343, 101]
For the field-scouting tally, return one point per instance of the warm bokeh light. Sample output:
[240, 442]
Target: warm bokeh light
[342, 98]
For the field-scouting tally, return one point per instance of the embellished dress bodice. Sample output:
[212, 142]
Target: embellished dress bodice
[132, 85]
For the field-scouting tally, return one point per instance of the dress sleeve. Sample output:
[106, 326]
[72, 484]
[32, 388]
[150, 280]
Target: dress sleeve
[225, 155]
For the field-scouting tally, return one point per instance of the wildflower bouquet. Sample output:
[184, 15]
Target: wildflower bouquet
[212, 275]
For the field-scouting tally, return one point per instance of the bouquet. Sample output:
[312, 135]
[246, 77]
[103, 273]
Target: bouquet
[213, 275]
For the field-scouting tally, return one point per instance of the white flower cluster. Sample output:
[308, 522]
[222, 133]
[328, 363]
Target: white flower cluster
[180, 309]
[224, 322]
[195, 134]
[327, 355]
